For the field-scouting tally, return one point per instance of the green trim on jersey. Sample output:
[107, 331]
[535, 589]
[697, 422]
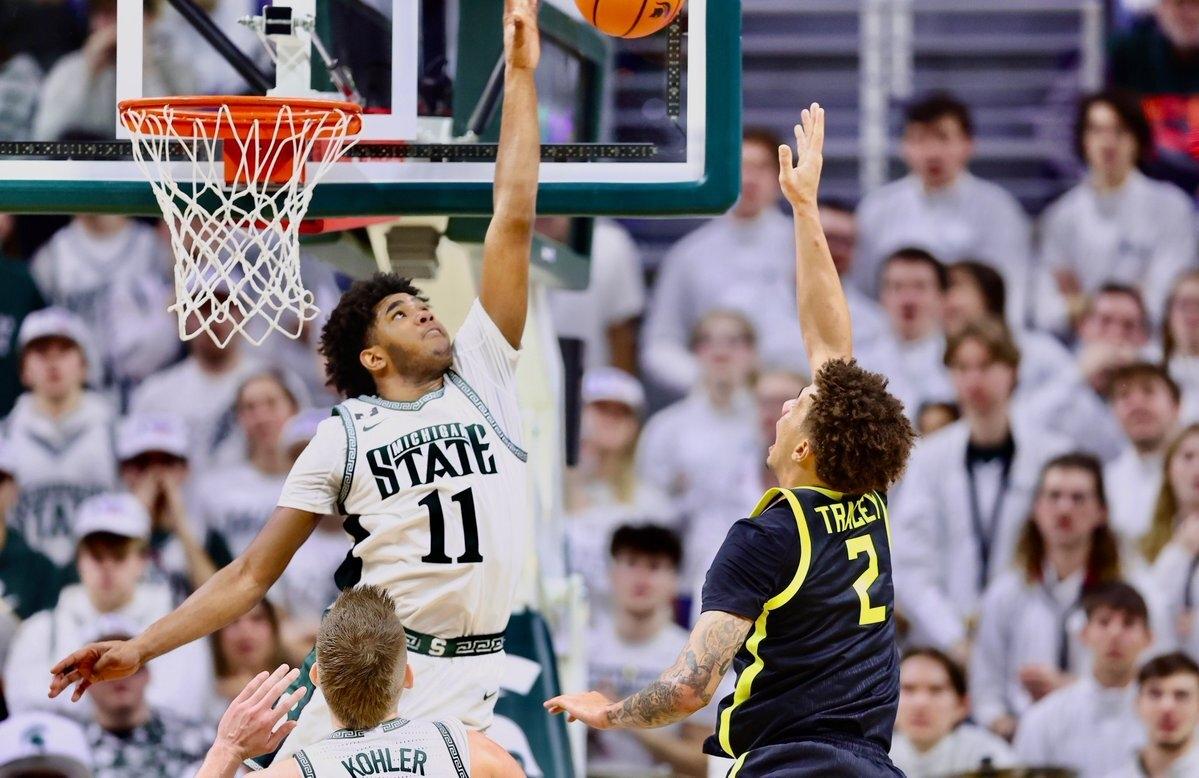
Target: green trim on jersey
[452, 747]
[305, 765]
[347, 477]
[414, 405]
[745, 681]
[481, 406]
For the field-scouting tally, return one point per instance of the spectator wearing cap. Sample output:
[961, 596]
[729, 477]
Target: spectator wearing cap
[112, 272]
[1168, 705]
[152, 451]
[605, 490]
[630, 643]
[1117, 225]
[967, 492]
[932, 735]
[911, 352]
[941, 207]
[113, 532]
[60, 434]
[1091, 724]
[745, 262]
[1145, 400]
[202, 388]
[308, 587]
[29, 582]
[696, 449]
[43, 745]
[130, 737]
[233, 501]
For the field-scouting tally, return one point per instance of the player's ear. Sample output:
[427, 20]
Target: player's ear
[409, 677]
[373, 359]
[314, 674]
[802, 452]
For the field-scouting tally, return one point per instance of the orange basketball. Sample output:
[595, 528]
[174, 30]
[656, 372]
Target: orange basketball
[630, 18]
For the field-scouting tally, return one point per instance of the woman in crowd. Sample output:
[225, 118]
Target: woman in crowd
[242, 650]
[1180, 341]
[1172, 543]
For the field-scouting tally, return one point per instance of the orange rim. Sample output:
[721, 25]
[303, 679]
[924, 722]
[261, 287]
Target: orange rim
[244, 113]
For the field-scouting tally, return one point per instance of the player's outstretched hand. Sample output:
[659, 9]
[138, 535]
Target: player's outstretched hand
[248, 727]
[800, 176]
[590, 708]
[522, 41]
[93, 664]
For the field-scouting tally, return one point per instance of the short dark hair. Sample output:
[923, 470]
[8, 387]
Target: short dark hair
[1166, 665]
[648, 540]
[860, 433]
[1127, 290]
[348, 331]
[1116, 596]
[1130, 113]
[995, 337]
[936, 106]
[989, 281]
[762, 136]
[1146, 371]
[837, 204]
[957, 675]
[917, 255]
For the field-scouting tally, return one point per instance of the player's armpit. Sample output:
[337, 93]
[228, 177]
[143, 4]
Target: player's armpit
[488, 759]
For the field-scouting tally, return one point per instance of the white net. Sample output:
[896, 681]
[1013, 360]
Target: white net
[234, 190]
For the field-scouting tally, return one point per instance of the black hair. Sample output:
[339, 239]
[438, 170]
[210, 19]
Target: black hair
[917, 254]
[837, 204]
[1146, 371]
[648, 540]
[348, 331]
[957, 676]
[1116, 596]
[762, 136]
[1111, 287]
[1167, 665]
[990, 284]
[1131, 115]
[936, 106]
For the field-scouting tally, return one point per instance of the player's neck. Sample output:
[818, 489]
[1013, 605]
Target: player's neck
[402, 389]
[1158, 758]
[639, 628]
[991, 428]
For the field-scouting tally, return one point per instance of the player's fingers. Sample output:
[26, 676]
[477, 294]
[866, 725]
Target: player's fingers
[785, 161]
[251, 687]
[62, 681]
[264, 689]
[281, 684]
[817, 128]
[83, 686]
[280, 734]
[289, 701]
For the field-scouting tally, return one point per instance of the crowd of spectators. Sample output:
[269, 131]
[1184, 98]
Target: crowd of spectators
[1047, 528]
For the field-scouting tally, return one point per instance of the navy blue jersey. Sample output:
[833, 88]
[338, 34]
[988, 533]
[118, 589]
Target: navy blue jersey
[812, 568]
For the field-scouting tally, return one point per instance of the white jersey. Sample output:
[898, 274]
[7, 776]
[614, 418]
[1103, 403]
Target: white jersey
[434, 749]
[434, 491]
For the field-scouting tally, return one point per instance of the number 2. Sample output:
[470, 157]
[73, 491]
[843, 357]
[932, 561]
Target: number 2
[470, 529]
[871, 614]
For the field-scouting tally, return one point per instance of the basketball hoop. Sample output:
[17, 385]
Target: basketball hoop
[234, 177]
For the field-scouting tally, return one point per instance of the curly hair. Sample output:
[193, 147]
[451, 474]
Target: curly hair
[348, 331]
[858, 429]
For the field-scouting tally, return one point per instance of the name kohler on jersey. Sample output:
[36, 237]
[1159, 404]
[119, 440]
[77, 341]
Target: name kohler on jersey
[423, 456]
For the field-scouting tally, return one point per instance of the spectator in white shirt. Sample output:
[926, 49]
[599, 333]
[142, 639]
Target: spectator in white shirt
[1168, 704]
[939, 206]
[1030, 618]
[605, 490]
[1172, 543]
[840, 226]
[201, 388]
[696, 450]
[113, 531]
[1180, 341]
[911, 352]
[932, 737]
[627, 648]
[604, 315]
[1118, 225]
[152, 450]
[233, 502]
[1145, 400]
[742, 261]
[967, 493]
[1092, 724]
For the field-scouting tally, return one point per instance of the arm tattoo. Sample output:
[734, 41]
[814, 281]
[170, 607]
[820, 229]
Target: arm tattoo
[693, 677]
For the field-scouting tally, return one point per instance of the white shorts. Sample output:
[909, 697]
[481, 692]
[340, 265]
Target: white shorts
[463, 688]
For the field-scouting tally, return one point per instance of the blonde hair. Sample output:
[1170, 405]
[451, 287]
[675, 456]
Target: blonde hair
[361, 651]
[1165, 511]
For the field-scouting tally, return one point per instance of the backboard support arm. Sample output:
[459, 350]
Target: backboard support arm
[259, 81]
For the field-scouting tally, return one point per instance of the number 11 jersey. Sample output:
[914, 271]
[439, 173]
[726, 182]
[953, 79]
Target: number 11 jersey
[434, 491]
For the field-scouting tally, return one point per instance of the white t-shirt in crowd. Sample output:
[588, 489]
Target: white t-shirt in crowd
[1084, 727]
[1186, 767]
[615, 294]
[966, 748]
[235, 503]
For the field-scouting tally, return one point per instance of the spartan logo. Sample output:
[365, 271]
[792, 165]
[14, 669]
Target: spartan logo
[421, 457]
[662, 8]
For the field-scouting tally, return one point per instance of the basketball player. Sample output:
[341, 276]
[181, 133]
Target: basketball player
[808, 579]
[424, 461]
[363, 671]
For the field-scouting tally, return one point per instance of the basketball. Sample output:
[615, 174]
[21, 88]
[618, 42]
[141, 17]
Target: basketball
[630, 18]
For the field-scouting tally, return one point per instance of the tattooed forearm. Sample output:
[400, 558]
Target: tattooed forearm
[690, 683]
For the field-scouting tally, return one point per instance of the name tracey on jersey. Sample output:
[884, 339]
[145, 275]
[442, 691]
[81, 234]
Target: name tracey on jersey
[421, 457]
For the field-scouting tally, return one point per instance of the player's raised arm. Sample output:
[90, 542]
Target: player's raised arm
[823, 311]
[232, 592]
[505, 293]
[684, 688]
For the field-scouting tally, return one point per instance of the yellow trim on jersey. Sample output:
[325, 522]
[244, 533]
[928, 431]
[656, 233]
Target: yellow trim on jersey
[882, 509]
[745, 681]
[826, 492]
[736, 768]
